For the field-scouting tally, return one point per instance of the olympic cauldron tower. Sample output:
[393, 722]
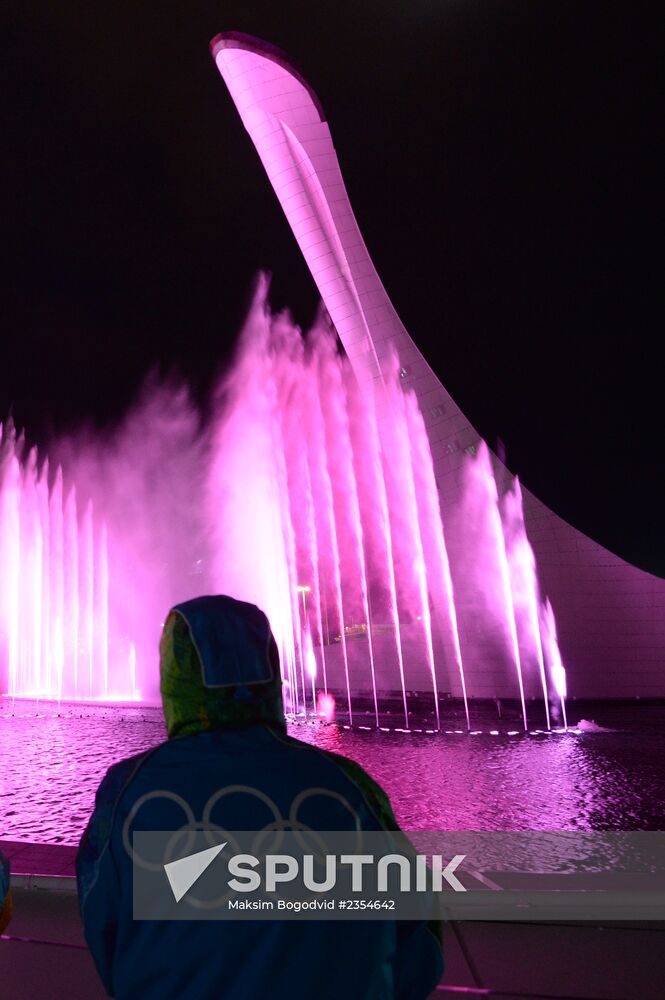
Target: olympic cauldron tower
[610, 616]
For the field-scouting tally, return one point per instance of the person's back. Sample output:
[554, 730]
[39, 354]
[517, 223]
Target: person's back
[229, 764]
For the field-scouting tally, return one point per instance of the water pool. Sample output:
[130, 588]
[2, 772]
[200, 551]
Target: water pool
[52, 760]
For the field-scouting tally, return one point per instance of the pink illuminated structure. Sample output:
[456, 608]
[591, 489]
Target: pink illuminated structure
[611, 622]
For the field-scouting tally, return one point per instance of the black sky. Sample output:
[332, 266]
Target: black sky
[500, 158]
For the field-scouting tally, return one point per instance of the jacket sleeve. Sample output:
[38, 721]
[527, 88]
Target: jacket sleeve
[419, 960]
[419, 956]
[5, 894]
[97, 874]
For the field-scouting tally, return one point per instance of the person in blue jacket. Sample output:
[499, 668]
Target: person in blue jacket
[5, 893]
[222, 700]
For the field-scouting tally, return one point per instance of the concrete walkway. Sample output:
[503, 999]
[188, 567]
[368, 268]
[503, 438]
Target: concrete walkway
[43, 952]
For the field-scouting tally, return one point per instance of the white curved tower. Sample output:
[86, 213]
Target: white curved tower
[610, 615]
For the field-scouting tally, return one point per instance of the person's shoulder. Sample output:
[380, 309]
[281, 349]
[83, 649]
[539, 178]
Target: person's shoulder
[371, 790]
[375, 795]
[120, 773]
[4, 877]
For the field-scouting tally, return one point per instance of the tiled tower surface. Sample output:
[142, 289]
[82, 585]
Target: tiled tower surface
[610, 615]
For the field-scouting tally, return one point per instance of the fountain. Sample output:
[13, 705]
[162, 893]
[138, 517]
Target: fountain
[305, 493]
[54, 581]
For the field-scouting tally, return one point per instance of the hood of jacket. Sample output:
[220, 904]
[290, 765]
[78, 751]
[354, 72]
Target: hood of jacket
[219, 667]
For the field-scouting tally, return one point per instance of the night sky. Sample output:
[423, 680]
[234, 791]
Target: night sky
[500, 159]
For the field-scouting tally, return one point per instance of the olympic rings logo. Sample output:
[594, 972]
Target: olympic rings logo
[213, 832]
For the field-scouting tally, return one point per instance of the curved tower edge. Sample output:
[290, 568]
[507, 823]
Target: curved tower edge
[610, 615]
